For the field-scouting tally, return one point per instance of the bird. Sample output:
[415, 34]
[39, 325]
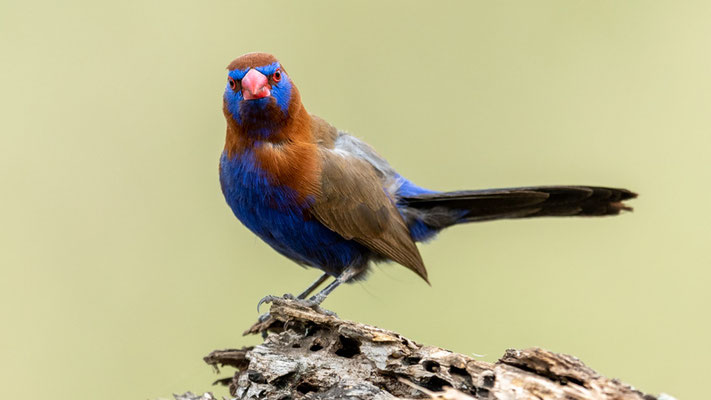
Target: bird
[327, 200]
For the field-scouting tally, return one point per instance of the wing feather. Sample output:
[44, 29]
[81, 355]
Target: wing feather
[353, 203]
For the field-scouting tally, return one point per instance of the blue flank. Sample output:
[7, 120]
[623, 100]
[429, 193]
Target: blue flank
[409, 189]
[419, 231]
[275, 214]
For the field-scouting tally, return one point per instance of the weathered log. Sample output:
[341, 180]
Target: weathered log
[313, 355]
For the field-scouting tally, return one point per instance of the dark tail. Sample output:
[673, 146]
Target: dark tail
[439, 210]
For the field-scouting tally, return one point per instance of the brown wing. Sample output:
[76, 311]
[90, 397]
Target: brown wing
[353, 203]
[324, 134]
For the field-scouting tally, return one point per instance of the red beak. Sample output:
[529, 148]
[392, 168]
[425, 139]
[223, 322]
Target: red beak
[255, 85]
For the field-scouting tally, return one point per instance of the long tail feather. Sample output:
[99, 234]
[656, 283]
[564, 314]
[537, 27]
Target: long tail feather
[439, 210]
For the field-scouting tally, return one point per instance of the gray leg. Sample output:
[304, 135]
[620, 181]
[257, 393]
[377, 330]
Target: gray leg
[302, 296]
[313, 286]
[344, 277]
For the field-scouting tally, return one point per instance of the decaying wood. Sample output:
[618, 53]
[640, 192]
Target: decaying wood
[312, 355]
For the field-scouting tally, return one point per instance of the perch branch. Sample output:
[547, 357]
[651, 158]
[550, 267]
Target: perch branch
[312, 355]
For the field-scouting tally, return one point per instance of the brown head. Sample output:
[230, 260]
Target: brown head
[260, 100]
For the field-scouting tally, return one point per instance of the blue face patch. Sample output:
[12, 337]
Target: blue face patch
[280, 91]
[232, 99]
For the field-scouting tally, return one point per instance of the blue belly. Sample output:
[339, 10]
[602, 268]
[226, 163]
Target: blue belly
[277, 216]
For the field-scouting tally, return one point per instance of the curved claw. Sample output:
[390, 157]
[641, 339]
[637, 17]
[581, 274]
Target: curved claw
[270, 299]
[265, 299]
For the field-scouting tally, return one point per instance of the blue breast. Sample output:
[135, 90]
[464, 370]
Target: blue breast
[277, 215]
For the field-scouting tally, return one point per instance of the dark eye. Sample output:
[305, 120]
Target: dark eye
[277, 76]
[233, 83]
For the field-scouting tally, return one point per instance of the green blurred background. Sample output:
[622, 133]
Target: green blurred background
[122, 265]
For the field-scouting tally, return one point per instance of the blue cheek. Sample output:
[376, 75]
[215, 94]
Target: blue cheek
[233, 100]
[282, 93]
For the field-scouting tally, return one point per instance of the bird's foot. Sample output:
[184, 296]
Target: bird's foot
[266, 320]
[270, 299]
[266, 299]
[313, 303]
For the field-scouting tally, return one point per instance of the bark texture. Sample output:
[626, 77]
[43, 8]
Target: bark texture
[313, 355]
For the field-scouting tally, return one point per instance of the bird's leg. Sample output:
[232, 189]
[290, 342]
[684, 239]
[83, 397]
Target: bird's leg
[344, 277]
[302, 296]
[264, 321]
[313, 286]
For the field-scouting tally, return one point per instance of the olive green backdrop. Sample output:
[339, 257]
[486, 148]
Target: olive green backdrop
[122, 265]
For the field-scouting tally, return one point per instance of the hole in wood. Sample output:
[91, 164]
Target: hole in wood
[282, 381]
[431, 366]
[412, 360]
[256, 377]
[305, 387]
[488, 380]
[347, 347]
[458, 371]
[435, 383]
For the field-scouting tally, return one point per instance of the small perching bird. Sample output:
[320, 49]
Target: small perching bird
[327, 200]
